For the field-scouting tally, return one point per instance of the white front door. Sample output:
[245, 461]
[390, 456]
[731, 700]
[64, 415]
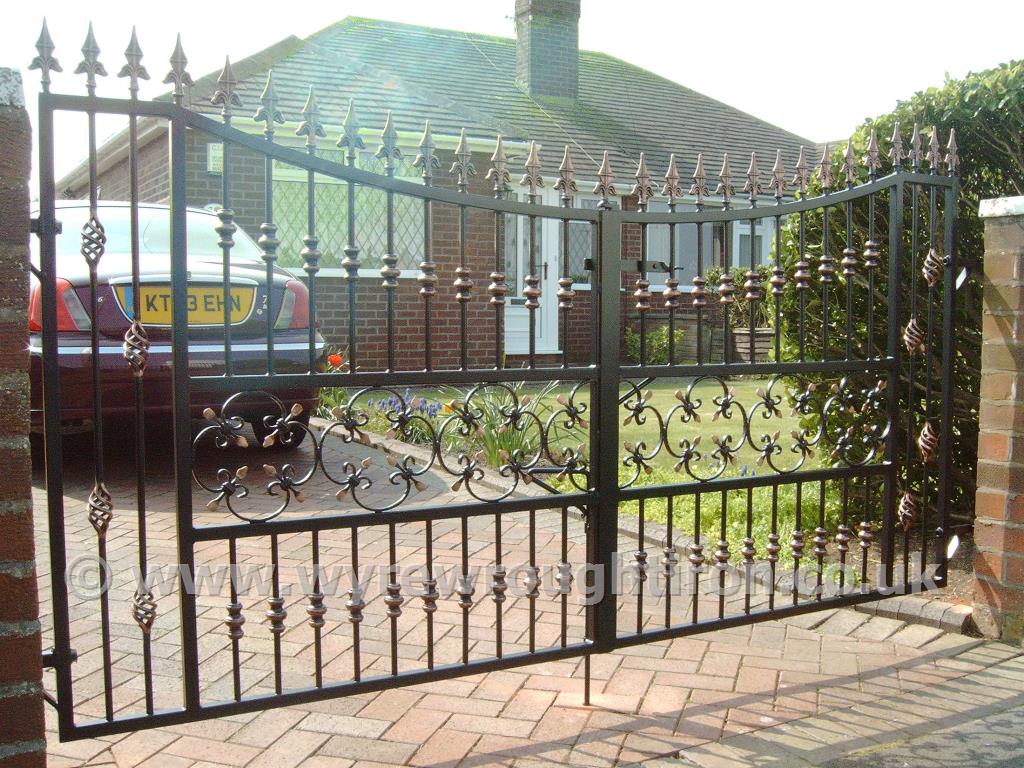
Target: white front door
[517, 267]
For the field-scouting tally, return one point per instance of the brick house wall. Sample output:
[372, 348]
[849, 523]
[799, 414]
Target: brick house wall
[247, 197]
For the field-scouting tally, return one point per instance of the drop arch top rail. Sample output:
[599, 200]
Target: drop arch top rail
[815, 467]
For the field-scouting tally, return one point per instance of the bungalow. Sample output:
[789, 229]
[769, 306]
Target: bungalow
[537, 87]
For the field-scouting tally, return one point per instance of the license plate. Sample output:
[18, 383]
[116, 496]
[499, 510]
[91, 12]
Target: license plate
[205, 303]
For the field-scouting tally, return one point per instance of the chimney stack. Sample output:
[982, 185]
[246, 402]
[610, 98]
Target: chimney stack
[548, 48]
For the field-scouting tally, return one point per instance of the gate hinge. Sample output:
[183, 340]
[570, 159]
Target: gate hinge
[36, 227]
[51, 658]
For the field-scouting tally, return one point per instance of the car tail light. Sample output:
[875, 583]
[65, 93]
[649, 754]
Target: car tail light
[294, 307]
[71, 315]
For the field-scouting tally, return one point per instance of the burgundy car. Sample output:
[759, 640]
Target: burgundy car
[286, 299]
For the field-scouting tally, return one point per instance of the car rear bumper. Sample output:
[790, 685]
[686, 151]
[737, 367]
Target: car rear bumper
[117, 381]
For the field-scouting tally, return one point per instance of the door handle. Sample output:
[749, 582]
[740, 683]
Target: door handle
[545, 265]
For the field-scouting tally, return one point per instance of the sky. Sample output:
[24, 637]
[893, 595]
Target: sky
[816, 68]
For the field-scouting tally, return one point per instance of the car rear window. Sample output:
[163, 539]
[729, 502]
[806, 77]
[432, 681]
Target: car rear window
[154, 233]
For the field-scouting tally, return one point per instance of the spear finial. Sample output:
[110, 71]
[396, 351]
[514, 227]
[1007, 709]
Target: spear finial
[753, 183]
[462, 165]
[934, 151]
[350, 138]
[532, 177]
[699, 188]
[311, 127]
[952, 158]
[133, 68]
[267, 112]
[825, 169]
[225, 94]
[872, 156]
[178, 74]
[778, 181]
[671, 188]
[801, 178]
[426, 160]
[644, 187]
[849, 169]
[916, 153]
[566, 183]
[605, 186]
[44, 60]
[388, 149]
[725, 187]
[896, 152]
[90, 65]
[498, 172]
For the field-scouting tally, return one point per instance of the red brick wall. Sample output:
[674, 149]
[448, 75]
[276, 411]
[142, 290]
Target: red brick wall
[999, 508]
[22, 738]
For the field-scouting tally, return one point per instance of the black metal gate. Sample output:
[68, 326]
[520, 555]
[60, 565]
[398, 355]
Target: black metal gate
[681, 446]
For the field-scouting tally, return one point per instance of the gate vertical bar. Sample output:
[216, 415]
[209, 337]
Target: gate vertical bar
[892, 378]
[602, 531]
[51, 418]
[948, 360]
[181, 411]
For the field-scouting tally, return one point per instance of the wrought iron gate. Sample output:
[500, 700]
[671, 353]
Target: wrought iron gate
[554, 454]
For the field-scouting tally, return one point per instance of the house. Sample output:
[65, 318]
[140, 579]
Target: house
[538, 86]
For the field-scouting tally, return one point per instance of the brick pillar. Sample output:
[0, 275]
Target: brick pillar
[999, 523]
[22, 736]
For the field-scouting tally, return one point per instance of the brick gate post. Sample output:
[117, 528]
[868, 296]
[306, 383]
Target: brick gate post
[999, 523]
[22, 734]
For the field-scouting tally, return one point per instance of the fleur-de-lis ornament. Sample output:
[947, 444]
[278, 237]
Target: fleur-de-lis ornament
[45, 61]
[778, 181]
[825, 169]
[532, 178]
[605, 186]
[699, 188]
[753, 184]
[849, 168]
[498, 172]
[916, 154]
[133, 69]
[801, 178]
[311, 127]
[178, 73]
[90, 66]
[934, 155]
[426, 160]
[388, 150]
[267, 112]
[225, 95]
[462, 165]
[644, 187]
[896, 152]
[725, 187]
[671, 188]
[566, 183]
[350, 139]
[952, 156]
[872, 156]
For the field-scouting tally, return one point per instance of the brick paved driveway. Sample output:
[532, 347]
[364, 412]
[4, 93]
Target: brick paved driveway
[650, 701]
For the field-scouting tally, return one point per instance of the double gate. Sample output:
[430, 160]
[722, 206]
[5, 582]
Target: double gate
[657, 479]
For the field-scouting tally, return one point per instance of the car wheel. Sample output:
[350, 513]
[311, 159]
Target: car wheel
[281, 442]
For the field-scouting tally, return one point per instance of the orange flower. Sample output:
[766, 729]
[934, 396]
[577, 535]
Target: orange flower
[335, 360]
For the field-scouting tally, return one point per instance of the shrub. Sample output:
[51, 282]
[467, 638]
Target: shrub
[656, 352]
